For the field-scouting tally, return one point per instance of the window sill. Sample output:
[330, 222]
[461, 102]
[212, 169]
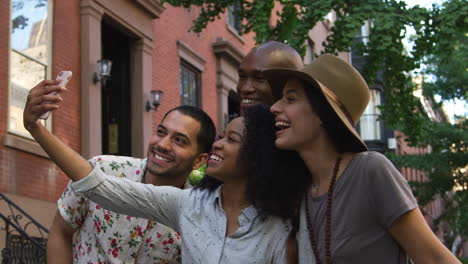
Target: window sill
[24, 144]
[235, 33]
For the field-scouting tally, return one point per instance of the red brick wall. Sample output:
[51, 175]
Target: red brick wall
[23, 173]
[4, 43]
[66, 56]
[173, 25]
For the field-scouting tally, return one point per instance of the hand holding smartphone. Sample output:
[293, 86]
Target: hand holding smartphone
[63, 77]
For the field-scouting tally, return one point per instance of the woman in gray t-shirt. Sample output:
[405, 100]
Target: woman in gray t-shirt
[359, 208]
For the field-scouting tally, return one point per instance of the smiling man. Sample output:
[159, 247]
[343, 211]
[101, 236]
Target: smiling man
[252, 87]
[181, 143]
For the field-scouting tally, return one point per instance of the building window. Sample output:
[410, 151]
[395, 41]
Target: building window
[30, 56]
[364, 32]
[234, 19]
[369, 124]
[189, 85]
[309, 57]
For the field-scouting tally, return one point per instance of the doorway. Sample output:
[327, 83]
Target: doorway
[116, 92]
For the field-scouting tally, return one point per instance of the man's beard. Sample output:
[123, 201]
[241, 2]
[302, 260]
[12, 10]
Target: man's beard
[170, 173]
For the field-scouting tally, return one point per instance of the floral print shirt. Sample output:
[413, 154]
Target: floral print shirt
[108, 237]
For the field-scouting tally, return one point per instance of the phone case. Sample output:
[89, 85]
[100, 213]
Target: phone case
[63, 77]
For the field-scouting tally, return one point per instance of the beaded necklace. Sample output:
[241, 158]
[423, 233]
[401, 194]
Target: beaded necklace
[328, 219]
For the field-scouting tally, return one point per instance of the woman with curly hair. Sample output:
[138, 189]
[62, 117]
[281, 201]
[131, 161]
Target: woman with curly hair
[359, 208]
[235, 216]
[267, 168]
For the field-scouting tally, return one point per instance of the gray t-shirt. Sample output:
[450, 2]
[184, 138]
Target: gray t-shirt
[369, 196]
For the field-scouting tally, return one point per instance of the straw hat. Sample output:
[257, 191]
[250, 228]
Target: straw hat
[339, 82]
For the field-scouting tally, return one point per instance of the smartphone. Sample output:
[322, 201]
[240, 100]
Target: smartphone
[63, 77]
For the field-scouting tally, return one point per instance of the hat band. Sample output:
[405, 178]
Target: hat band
[335, 99]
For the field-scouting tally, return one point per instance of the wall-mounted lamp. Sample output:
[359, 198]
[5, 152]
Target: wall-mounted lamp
[104, 69]
[155, 100]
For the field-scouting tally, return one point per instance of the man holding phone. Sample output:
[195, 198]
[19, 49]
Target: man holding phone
[181, 144]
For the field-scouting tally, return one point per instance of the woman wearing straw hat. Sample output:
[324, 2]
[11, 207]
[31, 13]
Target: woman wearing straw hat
[359, 208]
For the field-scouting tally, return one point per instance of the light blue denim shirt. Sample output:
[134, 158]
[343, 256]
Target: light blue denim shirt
[198, 215]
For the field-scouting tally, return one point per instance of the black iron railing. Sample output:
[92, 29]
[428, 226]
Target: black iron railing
[20, 246]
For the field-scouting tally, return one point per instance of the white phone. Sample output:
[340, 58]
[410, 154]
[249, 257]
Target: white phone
[63, 77]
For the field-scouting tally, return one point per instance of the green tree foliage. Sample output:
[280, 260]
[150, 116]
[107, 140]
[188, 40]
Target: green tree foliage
[440, 45]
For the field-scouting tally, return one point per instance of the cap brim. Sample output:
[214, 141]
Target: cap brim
[278, 78]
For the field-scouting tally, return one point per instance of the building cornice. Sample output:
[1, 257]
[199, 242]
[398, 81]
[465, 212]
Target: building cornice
[224, 48]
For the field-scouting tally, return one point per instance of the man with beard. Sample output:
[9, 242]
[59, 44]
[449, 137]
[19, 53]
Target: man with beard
[181, 143]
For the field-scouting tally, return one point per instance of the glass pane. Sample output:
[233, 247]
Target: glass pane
[29, 31]
[369, 124]
[233, 18]
[374, 103]
[193, 89]
[370, 127]
[24, 75]
[189, 86]
[184, 87]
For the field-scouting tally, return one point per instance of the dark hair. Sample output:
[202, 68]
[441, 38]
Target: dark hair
[341, 137]
[207, 131]
[277, 179]
[209, 183]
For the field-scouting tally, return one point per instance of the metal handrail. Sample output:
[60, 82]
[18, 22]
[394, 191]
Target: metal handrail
[13, 224]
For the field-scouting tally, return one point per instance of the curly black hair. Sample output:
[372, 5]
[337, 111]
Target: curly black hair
[277, 179]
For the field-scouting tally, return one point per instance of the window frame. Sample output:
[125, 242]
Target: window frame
[192, 69]
[47, 65]
[377, 132]
[234, 20]
[309, 56]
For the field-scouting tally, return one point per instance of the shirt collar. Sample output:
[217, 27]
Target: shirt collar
[217, 196]
[142, 168]
[250, 212]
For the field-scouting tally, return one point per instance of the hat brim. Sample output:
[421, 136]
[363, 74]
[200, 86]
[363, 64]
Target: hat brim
[278, 78]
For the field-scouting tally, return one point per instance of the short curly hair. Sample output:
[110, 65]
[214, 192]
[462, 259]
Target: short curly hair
[277, 179]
